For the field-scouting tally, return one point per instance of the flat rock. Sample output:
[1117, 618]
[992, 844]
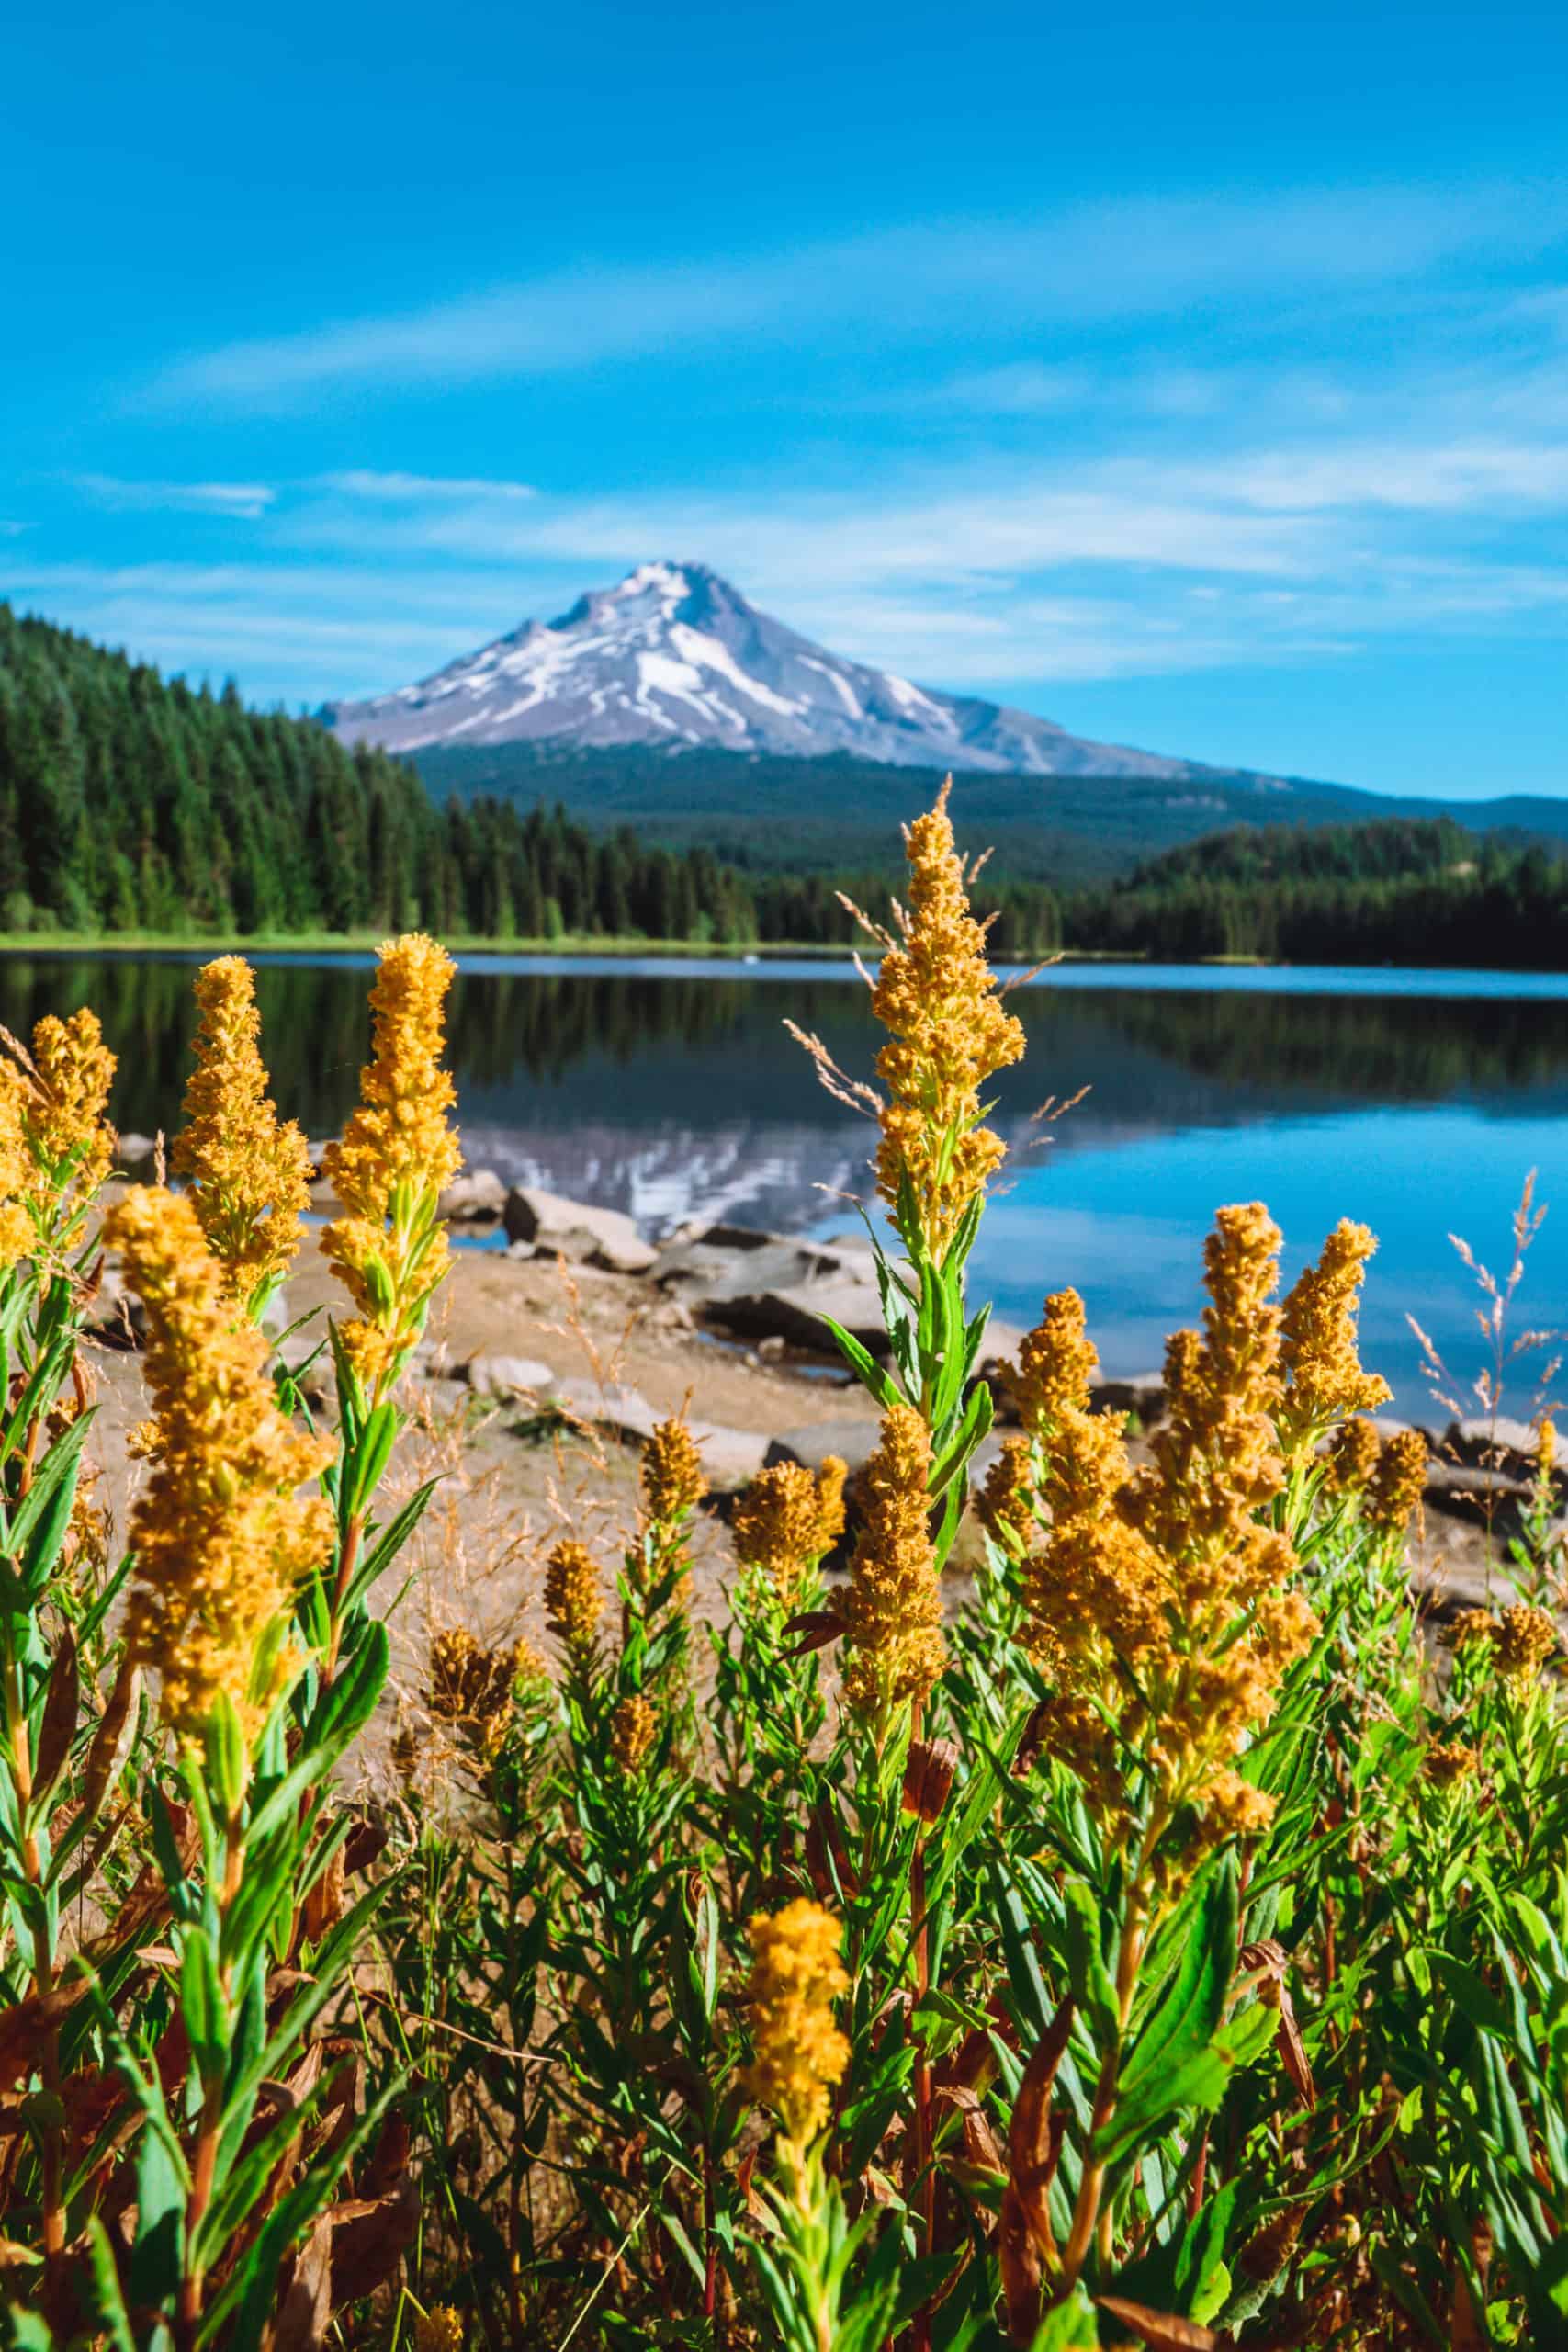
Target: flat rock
[797, 1314]
[610, 1405]
[573, 1229]
[475, 1195]
[132, 1153]
[730, 1458]
[1142, 1392]
[509, 1376]
[1479, 1496]
[854, 1441]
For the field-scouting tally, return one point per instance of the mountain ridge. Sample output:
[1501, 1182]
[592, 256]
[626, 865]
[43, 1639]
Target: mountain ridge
[674, 656]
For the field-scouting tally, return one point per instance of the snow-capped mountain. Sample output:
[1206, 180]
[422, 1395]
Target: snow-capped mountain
[673, 656]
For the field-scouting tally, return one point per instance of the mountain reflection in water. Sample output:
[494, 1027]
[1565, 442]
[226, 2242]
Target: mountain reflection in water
[1416, 1102]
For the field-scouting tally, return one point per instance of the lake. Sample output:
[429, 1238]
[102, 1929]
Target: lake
[1415, 1101]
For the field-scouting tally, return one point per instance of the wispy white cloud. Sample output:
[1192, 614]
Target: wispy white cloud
[421, 490]
[1137, 258]
[245, 500]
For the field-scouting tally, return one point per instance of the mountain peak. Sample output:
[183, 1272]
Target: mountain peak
[673, 655]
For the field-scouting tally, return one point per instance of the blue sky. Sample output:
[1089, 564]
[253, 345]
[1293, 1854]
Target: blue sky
[1196, 376]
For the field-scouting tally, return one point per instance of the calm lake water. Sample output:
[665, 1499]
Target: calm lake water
[1415, 1101]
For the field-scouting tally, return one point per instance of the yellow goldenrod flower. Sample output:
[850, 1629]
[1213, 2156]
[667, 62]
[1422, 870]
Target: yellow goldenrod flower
[397, 1155]
[1524, 1639]
[56, 1147]
[221, 1534]
[473, 1686]
[250, 1175]
[574, 1599]
[786, 1520]
[1057, 1362]
[936, 995]
[830, 1503]
[893, 1608]
[1161, 1604]
[1005, 1504]
[671, 1474]
[1325, 1382]
[1353, 1458]
[1468, 1628]
[440, 2329]
[1449, 1762]
[631, 1730]
[798, 2051]
[1545, 1448]
[1397, 1483]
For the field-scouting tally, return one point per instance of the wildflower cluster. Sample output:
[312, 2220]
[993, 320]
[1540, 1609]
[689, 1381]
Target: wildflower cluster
[949, 1031]
[396, 1156]
[222, 1534]
[798, 2052]
[892, 1612]
[56, 1143]
[250, 1174]
[785, 1523]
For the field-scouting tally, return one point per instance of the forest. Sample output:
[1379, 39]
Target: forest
[131, 805]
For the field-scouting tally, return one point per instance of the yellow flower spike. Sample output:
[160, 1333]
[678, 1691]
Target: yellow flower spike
[56, 1147]
[574, 1597]
[1057, 1362]
[893, 1608]
[1324, 1381]
[671, 1474]
[936, 994]
[1524, 1639]
[633, 1728]
[397, 1156]
[798, 2051]
[440, 2329]
[831, 1517]
[1397, 1482]
[221, 1534]
[778, 1528]
[1353, 1458]
[250, 1175]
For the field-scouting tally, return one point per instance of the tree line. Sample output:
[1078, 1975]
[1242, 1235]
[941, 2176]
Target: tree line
[130, 803]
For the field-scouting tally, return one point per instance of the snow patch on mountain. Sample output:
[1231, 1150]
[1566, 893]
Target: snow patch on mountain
[673, 655]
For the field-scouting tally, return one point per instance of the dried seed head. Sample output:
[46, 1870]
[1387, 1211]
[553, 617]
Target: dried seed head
[1325, 1382]
[893, 1608]
[633, 1727]
[250, 1175]
[221, 1535]
[574, 1599]
[672, 1481]
[928, 1777]
[1468, 1629]
[949, 1031]
[798, 2051]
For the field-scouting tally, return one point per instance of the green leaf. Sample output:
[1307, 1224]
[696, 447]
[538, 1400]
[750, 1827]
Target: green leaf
[864, 1366]
[202, 2004]
[1194, 2000]
[157, 2253]
[1069, 2327]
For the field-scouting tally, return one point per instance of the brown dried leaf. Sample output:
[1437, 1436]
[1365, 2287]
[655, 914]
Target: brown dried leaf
[1019, 2268]
[1162, 2330]
[817, 1628]
[60, 1705]
[23, 2027]
[371, 2236]
[305, 2313]
[1032, 2145]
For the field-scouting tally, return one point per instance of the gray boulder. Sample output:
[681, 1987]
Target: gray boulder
[509, 1376]
[730, 1458]
[476, 1195]
[852, 1441]
[554, 1228]
[133, 1153]
[612, 1406]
